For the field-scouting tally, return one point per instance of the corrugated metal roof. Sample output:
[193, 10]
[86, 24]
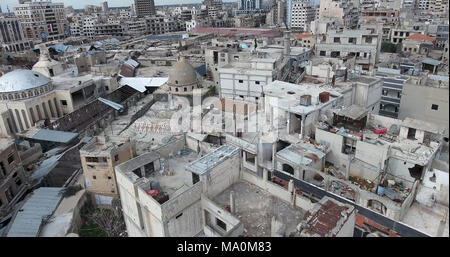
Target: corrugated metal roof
[132, 63]
[40, 205]
[54, 136]
[431, 62]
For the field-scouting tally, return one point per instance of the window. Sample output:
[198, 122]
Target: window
[434, 107]
[10, 158]
[337, 40]
[241, 81]
[322, 53]
[369, 40]
[221, 224]
[109, 177]
[179, 215]
[352, 40]
[94, 177]
[64, 102]
[116, 158]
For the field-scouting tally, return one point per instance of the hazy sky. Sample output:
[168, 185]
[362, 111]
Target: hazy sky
[79, 4]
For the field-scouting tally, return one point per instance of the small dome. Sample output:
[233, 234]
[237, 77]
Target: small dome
[20, 80]
[182, 74]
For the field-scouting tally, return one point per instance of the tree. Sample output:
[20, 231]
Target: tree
[388, 47]
[110, 220]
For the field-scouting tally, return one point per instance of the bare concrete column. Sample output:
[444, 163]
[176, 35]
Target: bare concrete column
[232, 203]
[265, 174]
[291, 186]
[347, 170]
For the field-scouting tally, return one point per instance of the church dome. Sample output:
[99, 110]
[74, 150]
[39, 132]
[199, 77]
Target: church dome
[22, 80]
[182, 74]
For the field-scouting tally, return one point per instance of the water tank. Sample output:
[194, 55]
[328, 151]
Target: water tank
[305, 100]
[324, 97]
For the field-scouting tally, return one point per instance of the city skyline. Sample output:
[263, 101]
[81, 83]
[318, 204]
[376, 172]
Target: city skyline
[112, 3]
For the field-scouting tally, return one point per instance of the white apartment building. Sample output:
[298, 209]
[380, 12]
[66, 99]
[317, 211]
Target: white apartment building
[42, 20]
[362, 45]
[302, 13]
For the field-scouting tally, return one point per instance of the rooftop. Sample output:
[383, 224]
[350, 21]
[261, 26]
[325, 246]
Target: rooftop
[418, 37]
[207, 162]
[289, 95]
[326, 218]
[36, 209]
[255, 208]
[19, 80]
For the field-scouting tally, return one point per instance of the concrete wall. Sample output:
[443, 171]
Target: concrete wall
[234, 227]
[222, 176]
[371, 154]
[335, 143]
[276, 190]
[349, 226]
[416, 103]
[399, 169]
[171, 148]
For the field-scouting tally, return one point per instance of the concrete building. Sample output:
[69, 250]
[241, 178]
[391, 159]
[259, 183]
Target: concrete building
[400, 34]
[13, 181]
[302, 13]
[98, 159]
[329, 218]
[144, 8]
[343, 10]
[48, 20]
[386, 16]
[362, 45]
[418, 44]
[30, 97]
[427, 101]
[12, 38]
[249, 5]
[393, 84]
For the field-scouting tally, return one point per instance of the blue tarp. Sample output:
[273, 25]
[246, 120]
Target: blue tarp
[201, 70]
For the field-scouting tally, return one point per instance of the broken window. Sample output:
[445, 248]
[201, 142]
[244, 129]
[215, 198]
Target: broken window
[377, 206]
[322, 53]
[10, 158]
[288, 168]
[221, 224]
[335, 54]
[116, 158]
[195, 178]
[337, 40]
[411, 134]
[250, 158]
[434, 107]
[416, 171]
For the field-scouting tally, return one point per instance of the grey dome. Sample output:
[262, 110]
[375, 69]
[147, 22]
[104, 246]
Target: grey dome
[182, 74]
[21, 80]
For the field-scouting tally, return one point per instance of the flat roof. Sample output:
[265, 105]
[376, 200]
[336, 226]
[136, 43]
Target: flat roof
[211, 160]
[301, 154]
[39, 206]
[354, 112]
[54, 136]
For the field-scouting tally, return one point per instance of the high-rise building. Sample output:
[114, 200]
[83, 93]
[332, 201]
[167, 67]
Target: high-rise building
[144, 7]
[302, 13]
[105, 7]
[344, 10]
[42, 20]
[11, 35]
[247, 6]
[213, 7]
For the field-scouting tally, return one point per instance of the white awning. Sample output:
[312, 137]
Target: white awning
[140, 84]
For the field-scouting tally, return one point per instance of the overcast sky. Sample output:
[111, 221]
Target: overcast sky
[79, 4]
